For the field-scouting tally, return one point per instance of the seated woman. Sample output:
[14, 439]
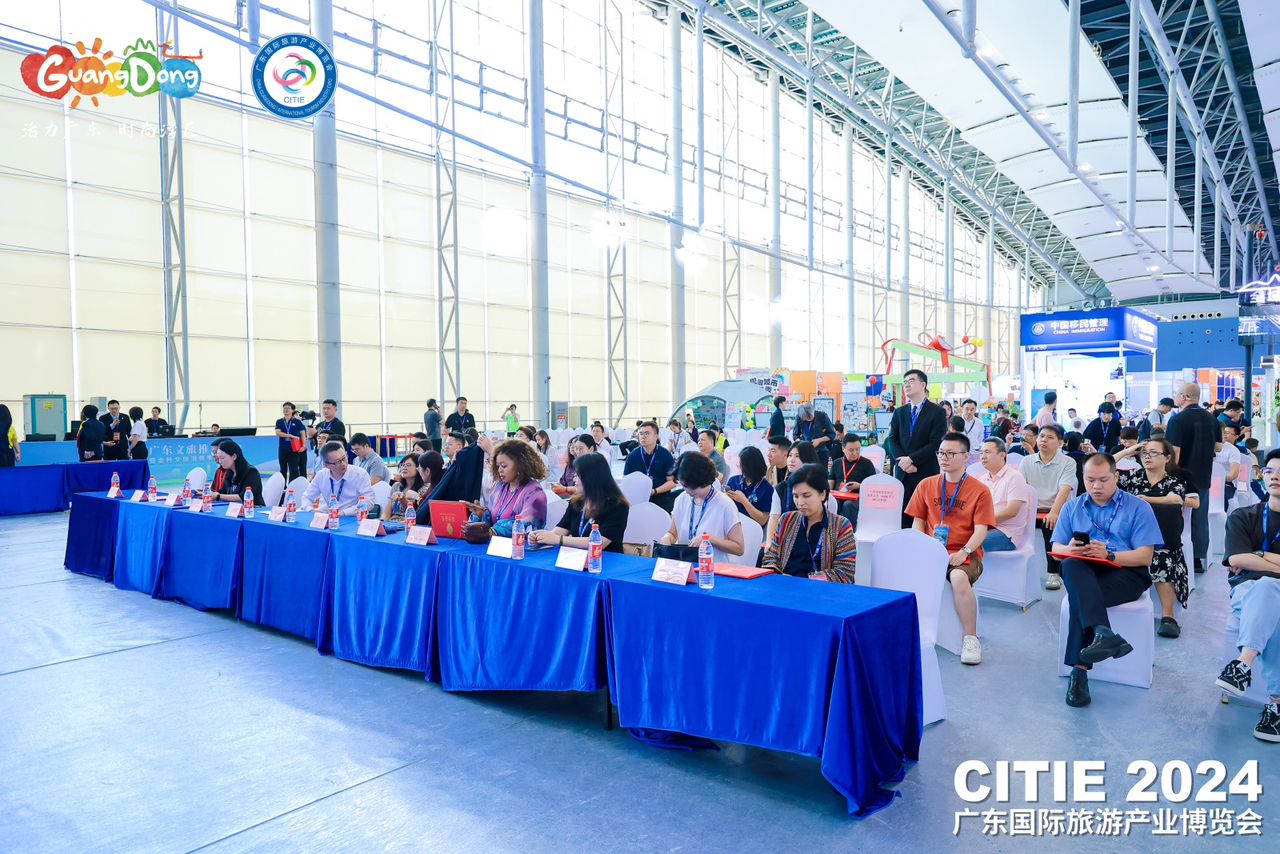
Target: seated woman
[702, 509]
[542, 444]
[238, 475]
[517, 488]
[409, 485]
[809, 542]
[1127, 456]
[580, 446]
[600, 502]
[751, 490]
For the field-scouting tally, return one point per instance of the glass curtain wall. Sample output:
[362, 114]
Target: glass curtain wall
[82, 253]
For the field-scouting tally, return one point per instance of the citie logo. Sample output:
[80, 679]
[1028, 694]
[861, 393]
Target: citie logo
[93, 74]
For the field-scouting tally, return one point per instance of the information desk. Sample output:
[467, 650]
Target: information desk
[824, 670]
[48, 488]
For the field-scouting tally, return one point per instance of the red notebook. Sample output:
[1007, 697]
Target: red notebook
[844, 496]
[448, 519]
[733, 570]
[1101, 560]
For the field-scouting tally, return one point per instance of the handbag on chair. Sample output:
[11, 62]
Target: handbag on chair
[477, 533]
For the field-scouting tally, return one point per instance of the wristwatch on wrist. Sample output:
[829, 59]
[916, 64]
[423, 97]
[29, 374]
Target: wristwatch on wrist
[966, 550]
[1111, 556]
[1260, 553]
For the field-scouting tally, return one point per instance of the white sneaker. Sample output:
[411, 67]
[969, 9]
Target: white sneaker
[1053, 582]
[971, 650]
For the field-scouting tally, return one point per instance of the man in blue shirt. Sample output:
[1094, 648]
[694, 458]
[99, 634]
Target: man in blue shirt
[1104, 524]
[655, 462]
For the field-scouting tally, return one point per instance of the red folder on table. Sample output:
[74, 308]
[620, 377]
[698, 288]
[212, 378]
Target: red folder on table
[1101, 560]
[733, 570]
[448, 519]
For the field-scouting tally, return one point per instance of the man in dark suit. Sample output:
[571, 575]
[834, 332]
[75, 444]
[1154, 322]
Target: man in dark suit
[777, 421]
[914, 436]
[116, 446]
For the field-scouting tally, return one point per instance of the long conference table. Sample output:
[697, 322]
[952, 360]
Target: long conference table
[48, 488]
[824, 670]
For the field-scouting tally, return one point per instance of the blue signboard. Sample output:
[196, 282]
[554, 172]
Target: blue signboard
[1100, 329]
[170, 459]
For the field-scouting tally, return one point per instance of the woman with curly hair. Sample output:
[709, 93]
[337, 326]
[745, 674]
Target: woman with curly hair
[517, 472]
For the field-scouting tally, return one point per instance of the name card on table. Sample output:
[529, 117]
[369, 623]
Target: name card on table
[320, 520]
[196, 506]
[575, 559]
[171, 500]
[276, 514]
[499, 547]
[877, 497]
[420, 535]
[113, 492]
[371, 528]
[672, 571]
[233, 510]
[138, 497]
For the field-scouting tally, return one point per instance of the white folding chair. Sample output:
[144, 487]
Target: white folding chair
[975, 470]
[1217, 518]
[555, 510]
[273, 490]
[875, 521]
[1014, 576]
[1014, 460]
[646, 523]
[636, 487]
[919, 566]
[1132, 621]
[197, 478]
[752, 537]
[1187, 548]
[382, 494]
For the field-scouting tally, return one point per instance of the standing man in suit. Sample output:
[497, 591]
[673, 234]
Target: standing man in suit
[119, 425]
[914, 436]
[777, 421]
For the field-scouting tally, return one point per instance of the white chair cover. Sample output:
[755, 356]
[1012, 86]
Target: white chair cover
[555, 510]
[197, 478]
[1014, 576]
[876, 454]
[1217, 517]
[382, 494]
[298, 485]
[273, 490]
[874, 522]
[752, 537]
[918, 565]
[647, 522]
[636, 487]
[1134, 621]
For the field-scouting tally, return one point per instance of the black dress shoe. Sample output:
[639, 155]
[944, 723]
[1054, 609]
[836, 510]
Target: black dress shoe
[1078, 688]
[1199, 566]
[1106, 644]
[1168, 628]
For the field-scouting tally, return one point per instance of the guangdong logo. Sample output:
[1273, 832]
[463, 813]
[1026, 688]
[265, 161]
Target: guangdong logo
[140, 70]
[294, 76]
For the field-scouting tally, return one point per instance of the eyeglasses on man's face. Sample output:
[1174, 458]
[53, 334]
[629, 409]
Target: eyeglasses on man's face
[946, 455]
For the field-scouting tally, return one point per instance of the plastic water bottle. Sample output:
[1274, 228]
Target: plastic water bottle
[115, 481]
[517, 539]
[410, 515]
[186, 491]
[333, 513]
[706, 563]
[248, 503]
[207, 499]
[152, 491]
[595, 551]
[362, 509]
[291, 508]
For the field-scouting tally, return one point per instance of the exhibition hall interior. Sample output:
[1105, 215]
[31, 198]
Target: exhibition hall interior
[639, 425]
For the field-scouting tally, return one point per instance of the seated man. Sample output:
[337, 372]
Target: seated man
[1251, 551]
[957, 510]
[1007, 487]
[368, 460]
[776, 457]
[1120, 528]
[656, 463]
[1052, 474]
[1025, 441]
[848, 471]
[337, 479]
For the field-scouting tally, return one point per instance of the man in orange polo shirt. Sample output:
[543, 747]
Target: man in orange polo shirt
[957, 510]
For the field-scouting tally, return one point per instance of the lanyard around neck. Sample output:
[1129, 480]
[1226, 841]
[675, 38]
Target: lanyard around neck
[946, 506]
[693, 526]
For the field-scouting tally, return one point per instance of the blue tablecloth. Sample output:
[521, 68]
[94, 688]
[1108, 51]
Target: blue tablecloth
[283, 571]
[380, 599]
[509, 625]
[91, 535]
[140, 536]
[96, 477]
[32, 489]
[826, 670]
[202, 560]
